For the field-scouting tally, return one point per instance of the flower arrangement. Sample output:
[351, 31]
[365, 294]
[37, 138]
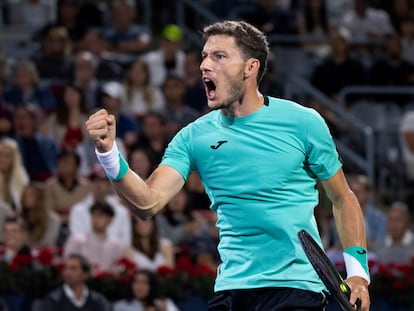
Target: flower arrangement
[40, 272]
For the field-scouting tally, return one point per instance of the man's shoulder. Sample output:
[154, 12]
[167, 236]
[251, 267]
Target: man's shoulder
[56, 294]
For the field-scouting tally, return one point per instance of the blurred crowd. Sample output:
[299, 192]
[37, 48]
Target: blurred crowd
[99, 54]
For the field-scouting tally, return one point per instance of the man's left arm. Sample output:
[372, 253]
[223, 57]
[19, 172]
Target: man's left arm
[349, 222]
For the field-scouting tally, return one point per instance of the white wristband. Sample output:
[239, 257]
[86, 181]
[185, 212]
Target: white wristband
[355, 259]
[113, 163]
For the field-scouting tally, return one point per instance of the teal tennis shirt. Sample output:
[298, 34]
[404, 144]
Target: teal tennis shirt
[260, 173]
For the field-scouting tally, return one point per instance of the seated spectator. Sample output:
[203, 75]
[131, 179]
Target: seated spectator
[101, 191]
[142, 161]
[153, 134]
[26, 89]
[6, 113]
[407, 39]
[85, 78]
[112, 100]
[66, 187]
[398, 10]
[398, 246]
[107, 68]
[43, 225]
[407, 144]
[5, 212]
[145, 295]
[195, 94]
[336, 71]
[13, 175]
[38, 151]
[74, 294]
[392, 70]
[124, 36]
[190, 229]
[313, 26]
[67, 17]
[33, 14]
[54, 61]
[89, 13]
[178, 114]
[150, 250]
[168, 57]
[269, 17]
[96, 246]
[15, 240]
[366, 22]
[67, 124]
[141, 96]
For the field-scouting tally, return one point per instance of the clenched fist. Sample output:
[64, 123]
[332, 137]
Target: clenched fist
[101, 129]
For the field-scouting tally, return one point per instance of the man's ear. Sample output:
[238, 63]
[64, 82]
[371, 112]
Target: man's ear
[251, 68]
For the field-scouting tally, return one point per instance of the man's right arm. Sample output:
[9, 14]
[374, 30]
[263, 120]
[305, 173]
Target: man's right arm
[145, 197]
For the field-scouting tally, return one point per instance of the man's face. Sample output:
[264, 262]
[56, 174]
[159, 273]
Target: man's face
[397, 224]
[222, 70]
[72, 272]
[100, 221]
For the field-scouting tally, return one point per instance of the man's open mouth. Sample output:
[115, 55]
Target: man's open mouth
[210, 88]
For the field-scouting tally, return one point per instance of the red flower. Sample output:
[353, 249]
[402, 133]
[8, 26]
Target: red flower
[165, 271]
[19, 261]
[126, 263]
[45, 256]
[184, 263]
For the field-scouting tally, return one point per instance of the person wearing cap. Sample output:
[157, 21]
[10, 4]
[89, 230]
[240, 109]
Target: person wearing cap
[113, 96]
[100, 250]
[169, 57]
[119, 228]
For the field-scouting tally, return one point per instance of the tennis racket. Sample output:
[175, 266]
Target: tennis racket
[326, 271]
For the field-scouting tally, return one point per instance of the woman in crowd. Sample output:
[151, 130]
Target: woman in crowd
[145, 295]
[67, 125]
[141, 95]
[42, 224]
[150, 250]
[13, 175]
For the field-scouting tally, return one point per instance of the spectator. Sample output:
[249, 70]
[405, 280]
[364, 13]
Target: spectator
[96, 246]
[66, 187]
[124, 36]
[42, 224]
[195, 95]
[141, 161]
[5, 212]
[145, 295]
[269, 17]
[67, 125]
[407, 39]
[365, 22]
[399, 10]
[107, 69]
[336, 71]
[406, 133]
[15, 240]
[6, 113]
[169, 57]
[112, 100]
[85, 68]
[67, 17]
[177, 112]
[74, 294]
[13, 175]
[398, 246]
[392, 70]
[313, 25]
[26, 89]
[53, 60]
[190, 229]
[32, 14]
[153, 134]
[150, 250]
[90, 13]
[79, 217]
[141, 95]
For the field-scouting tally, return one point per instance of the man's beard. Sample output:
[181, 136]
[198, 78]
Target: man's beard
[238, 89]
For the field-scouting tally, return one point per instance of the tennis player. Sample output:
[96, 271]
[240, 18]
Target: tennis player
[259, 159]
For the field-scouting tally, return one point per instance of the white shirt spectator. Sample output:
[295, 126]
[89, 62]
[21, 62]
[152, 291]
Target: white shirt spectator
[407, 126]
[119, 229]
[376, 23]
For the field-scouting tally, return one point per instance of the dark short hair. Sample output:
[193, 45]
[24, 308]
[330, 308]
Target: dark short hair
[251, 41]
[103, 207]
[85, 265]
[64, 152]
